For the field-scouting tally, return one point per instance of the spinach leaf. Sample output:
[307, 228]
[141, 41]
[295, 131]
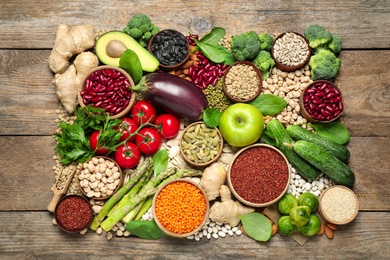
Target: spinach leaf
[145, 229]
[268, 138]
[214, 36]
[160, 161]
[257, 226]
[130, 62]
[269, 104]
[229, 57]
[211, 117]
[210, 51]
[333, 131]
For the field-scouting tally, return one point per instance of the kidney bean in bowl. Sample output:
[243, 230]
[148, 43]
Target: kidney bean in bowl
[107, 87]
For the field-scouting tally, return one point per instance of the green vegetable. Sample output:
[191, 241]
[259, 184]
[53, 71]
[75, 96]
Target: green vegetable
[285, 227]
[335, 45]
[333, 131]
[211, 117]
[308, 199]
[130, 62]
[160, 161]
[267, 138]
[210, 51]
[336, 149]
[317, 36]
[266, 41]
[324, 65]
[286, 203]
[284, 142]
[145, 229]
[264, 63]
[141, 28]
[269, 104]
[312, 226]
[299, 215]
[214, 36]
[245, 46]
[330, 165]
[146, 205]
[257, 226]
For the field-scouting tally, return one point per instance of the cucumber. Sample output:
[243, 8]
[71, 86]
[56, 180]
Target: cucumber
[330, 165]
[336, 149]
[284, 142]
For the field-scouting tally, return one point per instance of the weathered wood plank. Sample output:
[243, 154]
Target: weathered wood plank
[361, 24]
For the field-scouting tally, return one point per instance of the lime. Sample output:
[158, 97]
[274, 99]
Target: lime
[308, 199]
[300, 215]
[312, 226]
[285, 227]
[286, 203]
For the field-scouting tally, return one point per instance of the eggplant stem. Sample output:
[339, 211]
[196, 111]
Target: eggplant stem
[142, 86]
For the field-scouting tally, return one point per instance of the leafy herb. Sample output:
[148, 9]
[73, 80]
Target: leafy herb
[257, 226]
[333, 131]
[145, 229]
[214, 36]
[269, 104]
[130, 62]
[211, 117]
[160, 161]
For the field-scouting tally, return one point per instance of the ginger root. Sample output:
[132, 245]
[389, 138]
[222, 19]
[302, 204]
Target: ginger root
[70, 40]
[227, 210]
[212, 179]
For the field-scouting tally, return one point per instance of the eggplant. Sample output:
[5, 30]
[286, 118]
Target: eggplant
[173, 94]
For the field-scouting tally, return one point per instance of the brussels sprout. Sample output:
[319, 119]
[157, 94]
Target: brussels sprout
[286, 203]
[300, 215]
[285, 227]
[308, 199]
[312, 227]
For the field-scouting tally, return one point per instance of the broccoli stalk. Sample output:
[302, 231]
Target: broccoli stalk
[264, 63]
[141, 28]
[245, 46]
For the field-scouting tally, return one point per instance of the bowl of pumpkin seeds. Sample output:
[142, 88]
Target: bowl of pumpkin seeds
[200, 145]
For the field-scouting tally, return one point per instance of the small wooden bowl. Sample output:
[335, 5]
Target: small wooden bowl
[180, 235]
[284, 67]
[249, 203]
[167, 67]
[341, 203]
[185, 156]
[133, 94]
[259, 87]
[121, 179]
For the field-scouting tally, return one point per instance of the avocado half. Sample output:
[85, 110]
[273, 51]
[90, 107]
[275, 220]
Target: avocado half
[110, 46]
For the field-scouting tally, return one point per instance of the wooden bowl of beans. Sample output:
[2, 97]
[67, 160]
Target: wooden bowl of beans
[259, 175]
[106, 87]
[180, 208]
[242, 82]
[100, 178]
[171, 48]
[290, 51]
[321, 101]
[200, 145]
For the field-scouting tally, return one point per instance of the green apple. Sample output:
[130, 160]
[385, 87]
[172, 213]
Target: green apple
[241, 124]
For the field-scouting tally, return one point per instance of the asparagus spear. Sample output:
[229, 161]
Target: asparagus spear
[133, 213]
[145, 207]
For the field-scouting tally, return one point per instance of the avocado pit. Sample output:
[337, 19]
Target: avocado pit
[115, 48]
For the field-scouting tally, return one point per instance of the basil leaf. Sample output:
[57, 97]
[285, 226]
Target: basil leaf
[145, 229]
[257, 226]
[269, 104]
[130, 62]
[229, 57]
[214, 36]
[160, 161]
[211, 117]
[333, 131]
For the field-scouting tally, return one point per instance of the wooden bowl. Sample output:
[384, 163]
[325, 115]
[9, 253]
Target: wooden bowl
[168, 67]
[124, 73]
[196, 129]
[283, 66]
[338, 199]
[258, 87]
[251, 164]
[121, 179]
[169, 232]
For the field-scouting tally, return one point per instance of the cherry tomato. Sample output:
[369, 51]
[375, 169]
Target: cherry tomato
[127, 127]
[142, 112]
[148, 140]
[168, 125]
[127, 155]
[93, 142]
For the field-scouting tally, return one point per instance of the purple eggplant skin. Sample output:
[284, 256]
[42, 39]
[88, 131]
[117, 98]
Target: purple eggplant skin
[173, 94]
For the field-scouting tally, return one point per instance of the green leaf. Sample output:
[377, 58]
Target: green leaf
[130, 62]
[160, 161]
[145, 229]
[257, 226]
[210, 51]
[333, 131]
[214, 36]
[268, 138]
[211, 117]
[269, 104]
[229, 57]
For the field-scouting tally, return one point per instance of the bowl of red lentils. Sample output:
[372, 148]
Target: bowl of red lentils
[242, 82]
[259, 175]
[180, 208]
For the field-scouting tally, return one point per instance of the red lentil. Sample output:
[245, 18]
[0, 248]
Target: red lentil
[259, 175]
[180, 207]
[73, 213]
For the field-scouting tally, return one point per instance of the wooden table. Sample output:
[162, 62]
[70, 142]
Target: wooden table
[28, 103]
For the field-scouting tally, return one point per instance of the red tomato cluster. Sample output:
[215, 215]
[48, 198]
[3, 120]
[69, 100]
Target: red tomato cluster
[142, 133]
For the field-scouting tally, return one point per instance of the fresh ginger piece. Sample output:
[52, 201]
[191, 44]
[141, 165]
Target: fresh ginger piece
[227, 210]
[84, 62]
[213, 177]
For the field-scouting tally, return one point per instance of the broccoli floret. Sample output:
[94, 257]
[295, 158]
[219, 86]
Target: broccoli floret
[245, 46]
[264, 63]
[141, 28]
[266, 41]
[317, 36]
[335, 44]
[324, 65]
